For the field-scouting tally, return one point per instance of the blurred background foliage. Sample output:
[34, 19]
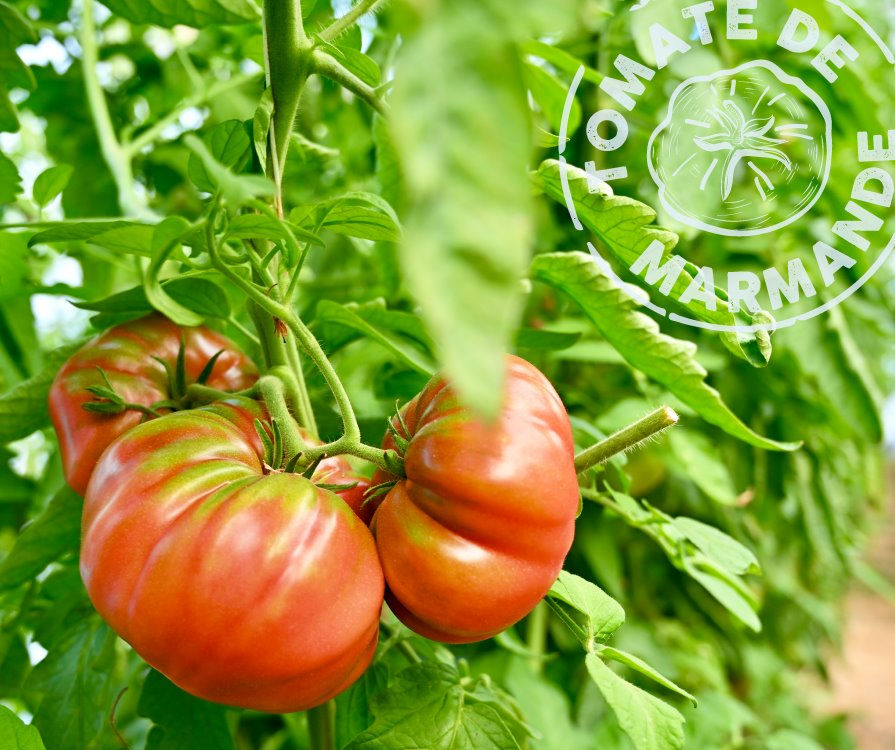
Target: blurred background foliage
[477, 92]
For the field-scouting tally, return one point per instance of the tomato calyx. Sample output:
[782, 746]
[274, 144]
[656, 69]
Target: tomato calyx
[109, 401]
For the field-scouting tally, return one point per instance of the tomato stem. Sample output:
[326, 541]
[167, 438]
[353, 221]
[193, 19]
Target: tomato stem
[320, 726]
[274, 395]
[626, 438]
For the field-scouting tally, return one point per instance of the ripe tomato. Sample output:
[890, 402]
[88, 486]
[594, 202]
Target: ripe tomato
[477, 533]
[338, 470]
[249, 589]
[126, 354]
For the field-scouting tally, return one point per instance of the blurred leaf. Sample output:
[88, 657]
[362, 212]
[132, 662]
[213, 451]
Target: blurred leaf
[52, 534]
[198, 13]
[50, 183]
[550, 95]
[15, 30]
[639, 340]
[16, 735]
[650, 723]
[699, 461]
[261, 126]
[543, 340]
[230, 145]
[78, 230]
[182, 722]
[720, 547]
[10, 182]
[237, 190]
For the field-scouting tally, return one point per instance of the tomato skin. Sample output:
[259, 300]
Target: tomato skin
[338, 470]
[125, 353]
[253, 590]
[478, 531]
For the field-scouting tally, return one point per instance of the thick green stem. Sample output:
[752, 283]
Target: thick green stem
[626, 439]
[116, 158]
[274, 395]
[537, 636]
[320, 727]
[304, 398]
[287, 53]
[343, 23]
[334, 70]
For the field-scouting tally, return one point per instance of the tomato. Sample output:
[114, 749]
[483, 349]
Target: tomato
[126, 353]
[477, 533]
[338, 470]
[255, 590]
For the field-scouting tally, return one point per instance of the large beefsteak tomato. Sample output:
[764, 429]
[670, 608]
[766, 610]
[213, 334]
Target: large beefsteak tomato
[126, 354]
[477, 532]
[249, 589]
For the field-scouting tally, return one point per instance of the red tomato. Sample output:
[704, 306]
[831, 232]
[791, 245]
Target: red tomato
[477, 533]
[126, 354]
[338, 470]
[249, 589]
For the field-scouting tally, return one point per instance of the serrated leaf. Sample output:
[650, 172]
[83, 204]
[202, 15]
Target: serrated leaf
[650, 723]
[197, 13]
[182, 722]
[428, 703]
[352, 317]
[721, 548]
[626, 227]
[53, 533]
[603, 615]
[23, 409]
[75, 681]
[50, 183]
[15, 734]
[639, 665]
[638, 339]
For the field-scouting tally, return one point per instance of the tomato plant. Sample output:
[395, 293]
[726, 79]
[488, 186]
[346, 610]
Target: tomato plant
[324, 428]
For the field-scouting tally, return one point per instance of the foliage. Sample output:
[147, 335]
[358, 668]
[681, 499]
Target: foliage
[420, 229]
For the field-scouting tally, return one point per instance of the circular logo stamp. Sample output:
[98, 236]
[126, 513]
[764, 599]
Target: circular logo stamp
[743, 125]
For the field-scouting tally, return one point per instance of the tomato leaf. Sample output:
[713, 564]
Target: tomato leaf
[353, 713]
[50, 183]
[229, 143]
[53, 533]
[363, 215]
[182, 722]
[77, 685]
[638, 339]
[650, 723]
[10, 182]
[166, 238]
[639, 665]
[78, 230]
[720, 547]
[236, 189]
[16, 734]
[602, 614]
[198, 13]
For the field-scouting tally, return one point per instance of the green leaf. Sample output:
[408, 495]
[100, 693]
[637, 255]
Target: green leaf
[698, 459]
[428, 703]
[626, 227]
[23, 409]
[650, 723]
[50, 183]
[352, 317]
[10, 182]
[638, 339]
[728, 594]
[229, 143]
[786, 739]
[15, 30]
[468, 225]
[237, 190]
[76, 681]
[55, 532]
[261, 126]
[353, 713]
[639, 665]
[715, 544]
[603, 615]
[550, 95]
[258, 226]
[16, 734]
[198, 294]
[198, 13]
[182, 722]
[65, 231]
[363, 215]
[135, 239]
[543, 340]
[363, 66]
[560, 59]
[166, 238]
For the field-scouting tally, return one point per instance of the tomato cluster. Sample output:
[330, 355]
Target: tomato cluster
[256, 587]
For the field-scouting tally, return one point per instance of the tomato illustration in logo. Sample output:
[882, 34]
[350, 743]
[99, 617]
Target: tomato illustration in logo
[735, 144]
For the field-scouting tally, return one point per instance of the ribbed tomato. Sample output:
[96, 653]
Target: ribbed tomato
[126, 353]
[338, 470]
[245, 588]
[477, 533]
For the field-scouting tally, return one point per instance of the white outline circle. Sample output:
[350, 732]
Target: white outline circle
[783, 77]
[787, 322]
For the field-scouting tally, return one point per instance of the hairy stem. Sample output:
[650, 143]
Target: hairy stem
[343, 23]
[626, 438]
[274, 395]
